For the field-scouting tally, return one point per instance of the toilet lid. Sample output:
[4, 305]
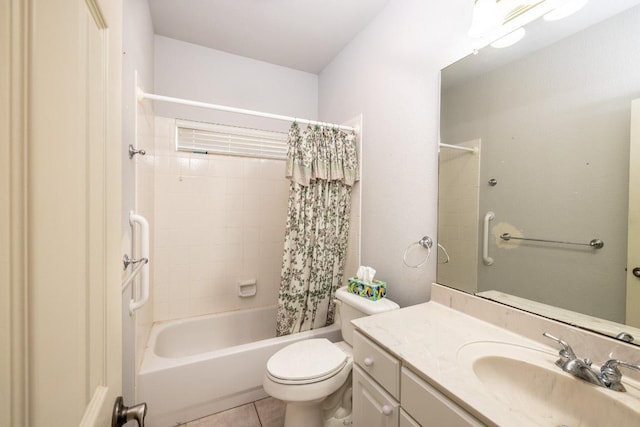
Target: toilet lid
[306, 361]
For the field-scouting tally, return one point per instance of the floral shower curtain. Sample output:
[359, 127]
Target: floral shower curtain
[322, 165]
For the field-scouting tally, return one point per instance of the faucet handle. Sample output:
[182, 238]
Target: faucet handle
[566, 352]
[612, 376]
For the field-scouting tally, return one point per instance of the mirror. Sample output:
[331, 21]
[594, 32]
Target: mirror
[550, 121]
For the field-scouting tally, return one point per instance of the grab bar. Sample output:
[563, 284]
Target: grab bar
[144, 254]
[485, 239]
[594, 243]
[134, 273]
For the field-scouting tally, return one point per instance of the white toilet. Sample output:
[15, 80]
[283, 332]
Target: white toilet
[313, 377]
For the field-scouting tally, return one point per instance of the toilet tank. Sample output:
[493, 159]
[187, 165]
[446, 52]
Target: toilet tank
[353, 306]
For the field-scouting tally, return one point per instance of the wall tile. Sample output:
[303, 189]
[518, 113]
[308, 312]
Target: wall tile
[218, 220]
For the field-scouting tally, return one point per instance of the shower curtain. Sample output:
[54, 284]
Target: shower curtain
[322, 165]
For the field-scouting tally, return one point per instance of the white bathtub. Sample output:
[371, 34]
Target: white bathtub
[198, 366]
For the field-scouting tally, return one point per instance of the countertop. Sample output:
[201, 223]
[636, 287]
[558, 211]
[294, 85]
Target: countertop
[427, 339]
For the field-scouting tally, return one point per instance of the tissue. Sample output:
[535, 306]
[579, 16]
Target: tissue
[364, 285]
[365, 274]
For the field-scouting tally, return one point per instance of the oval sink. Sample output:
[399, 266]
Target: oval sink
[527, 381]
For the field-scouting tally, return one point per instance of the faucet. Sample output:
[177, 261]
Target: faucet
[570, 363]
[609, 375]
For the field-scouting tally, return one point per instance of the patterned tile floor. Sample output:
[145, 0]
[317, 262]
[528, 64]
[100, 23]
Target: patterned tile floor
[267, 412]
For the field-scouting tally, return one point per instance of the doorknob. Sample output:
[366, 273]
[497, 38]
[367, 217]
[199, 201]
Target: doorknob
[123, 414]
[636, 272]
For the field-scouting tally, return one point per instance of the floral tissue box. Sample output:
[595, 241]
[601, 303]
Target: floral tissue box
[374, 291]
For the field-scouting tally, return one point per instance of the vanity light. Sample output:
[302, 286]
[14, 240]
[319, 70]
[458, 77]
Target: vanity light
[494, 19]
[490, 15]
[486, 17]
[565, 9]
[510, 39]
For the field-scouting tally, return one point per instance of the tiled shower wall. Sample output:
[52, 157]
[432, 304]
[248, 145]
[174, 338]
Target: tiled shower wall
[218, 220]
[458, 201]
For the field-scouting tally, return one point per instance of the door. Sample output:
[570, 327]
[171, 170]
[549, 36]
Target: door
[633, 236]
[64, 211]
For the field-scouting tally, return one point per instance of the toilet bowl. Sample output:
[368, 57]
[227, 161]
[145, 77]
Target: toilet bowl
[313, 377]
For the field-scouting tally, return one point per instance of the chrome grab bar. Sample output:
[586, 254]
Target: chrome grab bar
[594, 243]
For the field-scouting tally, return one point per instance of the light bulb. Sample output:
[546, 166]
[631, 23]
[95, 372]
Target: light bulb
[486, 17]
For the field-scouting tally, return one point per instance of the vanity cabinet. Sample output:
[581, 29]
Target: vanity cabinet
[372, 405]
[406, 420]
[429, 406]
[387, 394]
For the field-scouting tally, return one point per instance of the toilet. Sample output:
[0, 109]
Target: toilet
[313, 377]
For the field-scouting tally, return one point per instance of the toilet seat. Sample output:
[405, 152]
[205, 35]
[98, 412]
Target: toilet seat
[306, 362]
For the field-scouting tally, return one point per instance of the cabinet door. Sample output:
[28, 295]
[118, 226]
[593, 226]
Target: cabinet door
[406, 420]
[372, 405]
[429, 407]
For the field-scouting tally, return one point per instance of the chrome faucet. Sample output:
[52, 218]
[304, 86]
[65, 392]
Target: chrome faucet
[570, 363]
[609, 375]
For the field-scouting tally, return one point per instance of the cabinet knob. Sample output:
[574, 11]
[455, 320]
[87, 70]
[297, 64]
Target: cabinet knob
[387, 410]
[368, 361]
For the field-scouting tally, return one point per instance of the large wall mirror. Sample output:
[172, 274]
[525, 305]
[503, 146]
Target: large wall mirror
[547, 123]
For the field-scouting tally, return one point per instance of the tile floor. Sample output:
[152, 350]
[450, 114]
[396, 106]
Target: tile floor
[267, 412]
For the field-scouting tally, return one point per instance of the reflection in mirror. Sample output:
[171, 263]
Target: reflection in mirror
[553, 132]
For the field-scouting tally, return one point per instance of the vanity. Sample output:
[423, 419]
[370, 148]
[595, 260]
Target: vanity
[460, 360]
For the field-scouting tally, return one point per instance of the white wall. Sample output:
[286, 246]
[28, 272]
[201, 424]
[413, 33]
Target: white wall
[194, 72]
[390, 74]
[137, 173]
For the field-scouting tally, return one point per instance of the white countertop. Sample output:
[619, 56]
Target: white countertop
[427, 338]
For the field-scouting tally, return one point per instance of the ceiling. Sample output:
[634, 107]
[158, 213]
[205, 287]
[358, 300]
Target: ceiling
[301, 34]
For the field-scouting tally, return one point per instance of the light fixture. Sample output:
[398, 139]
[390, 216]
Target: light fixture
[494, 19]
[565, 9]
[510, 39]
[486, 17]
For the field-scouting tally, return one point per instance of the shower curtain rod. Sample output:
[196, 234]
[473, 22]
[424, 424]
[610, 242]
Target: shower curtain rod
[144, 95]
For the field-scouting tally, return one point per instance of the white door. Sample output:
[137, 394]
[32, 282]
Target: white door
[633, 232]
[64, 211]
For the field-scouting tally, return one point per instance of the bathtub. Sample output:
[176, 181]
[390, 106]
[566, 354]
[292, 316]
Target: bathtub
[198, 366]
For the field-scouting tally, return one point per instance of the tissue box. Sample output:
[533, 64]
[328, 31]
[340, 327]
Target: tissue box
[374, 291]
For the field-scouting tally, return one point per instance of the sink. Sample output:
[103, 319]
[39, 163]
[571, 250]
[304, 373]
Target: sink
[525, 381]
